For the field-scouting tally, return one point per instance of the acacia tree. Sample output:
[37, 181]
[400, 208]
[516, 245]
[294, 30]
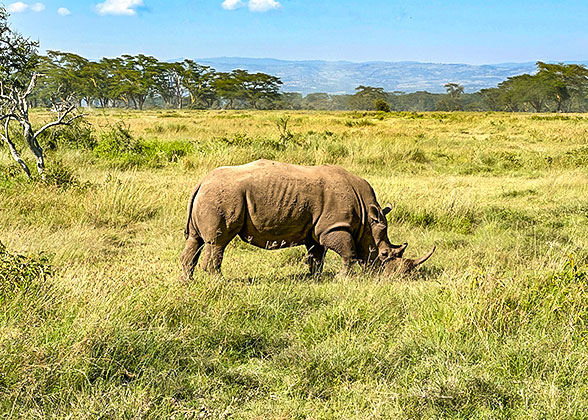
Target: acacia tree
[260, 86]
[170, 83]
[67, 73]
[199, 82]
[18, 80]
[365, 97]
[133, 78]
[563, 81]
[525, 89]
[451, 102]
[454, 90]
[228, 87]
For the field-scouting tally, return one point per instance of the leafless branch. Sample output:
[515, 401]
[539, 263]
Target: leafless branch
[32, 84]
[10, 116]
[61, 115]
[4, 96]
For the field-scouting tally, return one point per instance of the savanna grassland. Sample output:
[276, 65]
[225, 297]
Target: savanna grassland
[95, 323]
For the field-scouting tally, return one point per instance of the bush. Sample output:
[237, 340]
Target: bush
[21, 274]
[78, 135]
[382, 105]
[120, 147]
[116, 142]
[157, 152]
[8, 173]
[60, 176]
[285, 135]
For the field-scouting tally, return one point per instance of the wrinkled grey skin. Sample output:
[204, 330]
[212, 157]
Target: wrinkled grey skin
[276, 205]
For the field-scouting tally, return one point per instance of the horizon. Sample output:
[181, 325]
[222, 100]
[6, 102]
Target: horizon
[453, 32]
[583, 61]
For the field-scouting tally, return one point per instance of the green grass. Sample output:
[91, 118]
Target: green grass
[95, 322]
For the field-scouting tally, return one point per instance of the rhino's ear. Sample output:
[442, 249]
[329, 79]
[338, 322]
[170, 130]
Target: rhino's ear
[374, 214]
[387, 209]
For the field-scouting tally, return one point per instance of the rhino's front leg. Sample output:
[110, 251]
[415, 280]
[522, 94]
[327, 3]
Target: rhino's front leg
[342, 243]
[316, 258]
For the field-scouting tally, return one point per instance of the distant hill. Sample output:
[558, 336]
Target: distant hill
[344, 76]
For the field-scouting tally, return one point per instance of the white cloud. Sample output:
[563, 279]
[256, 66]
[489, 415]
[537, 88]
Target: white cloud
[254, 5]
[232, 4]
[263, 5]
[38, 7]
[62, 11]
[17, 7]
[119, 7]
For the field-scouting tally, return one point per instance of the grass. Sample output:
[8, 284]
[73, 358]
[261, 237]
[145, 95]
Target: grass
[95, 322]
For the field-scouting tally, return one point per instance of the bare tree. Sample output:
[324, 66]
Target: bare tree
[18, 80]
[14, 106]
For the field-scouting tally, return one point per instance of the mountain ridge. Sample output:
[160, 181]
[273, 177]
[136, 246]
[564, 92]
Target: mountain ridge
[342, 77]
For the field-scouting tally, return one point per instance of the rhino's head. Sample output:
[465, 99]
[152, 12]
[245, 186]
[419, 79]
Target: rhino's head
[399, 265]
[379, 230]
[390, 256]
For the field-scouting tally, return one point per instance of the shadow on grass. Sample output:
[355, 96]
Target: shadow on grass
[289, 278]
[426, 273]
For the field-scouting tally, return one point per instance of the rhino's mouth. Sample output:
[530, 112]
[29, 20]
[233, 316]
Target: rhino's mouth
[404, 265]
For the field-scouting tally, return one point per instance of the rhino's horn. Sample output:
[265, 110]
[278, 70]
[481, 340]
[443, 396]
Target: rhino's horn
[424, 258]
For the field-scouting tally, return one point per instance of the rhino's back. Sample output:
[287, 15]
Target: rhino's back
[279, 202]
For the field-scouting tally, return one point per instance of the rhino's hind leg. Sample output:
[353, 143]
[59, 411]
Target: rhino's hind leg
[315, 258]
[217, 229]
[342, 243]
[190, 256]
[213, 258]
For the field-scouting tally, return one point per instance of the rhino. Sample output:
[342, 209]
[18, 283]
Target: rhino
[275, 205]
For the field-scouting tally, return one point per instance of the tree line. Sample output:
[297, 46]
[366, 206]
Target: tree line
[134, 81]
[139, 81]
[553, 88]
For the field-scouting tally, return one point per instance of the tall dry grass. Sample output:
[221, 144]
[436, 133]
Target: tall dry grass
[493, 326]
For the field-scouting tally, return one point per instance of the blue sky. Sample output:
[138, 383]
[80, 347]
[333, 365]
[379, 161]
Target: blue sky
[450, 31]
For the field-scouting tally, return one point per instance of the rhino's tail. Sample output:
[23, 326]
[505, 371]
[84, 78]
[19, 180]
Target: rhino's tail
[190, 208]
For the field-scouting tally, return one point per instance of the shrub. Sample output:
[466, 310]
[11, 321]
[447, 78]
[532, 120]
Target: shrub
[21, 274]
[9, 172]
[116, 142]
[285, 135]
[157, 152]
[382, 105]
[123, 150]
[78, 135]
[58, 175]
